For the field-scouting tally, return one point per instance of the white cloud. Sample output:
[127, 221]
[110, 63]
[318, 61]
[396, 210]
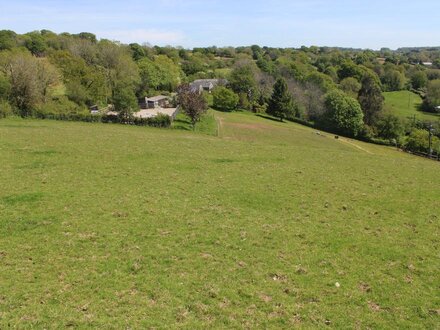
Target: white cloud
[152, 36]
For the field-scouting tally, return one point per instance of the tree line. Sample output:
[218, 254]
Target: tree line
[46, 74]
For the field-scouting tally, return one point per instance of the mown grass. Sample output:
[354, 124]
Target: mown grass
[136, 227]
[207, 124]
[407, 105]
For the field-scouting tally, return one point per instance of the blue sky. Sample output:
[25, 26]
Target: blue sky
[279, 23]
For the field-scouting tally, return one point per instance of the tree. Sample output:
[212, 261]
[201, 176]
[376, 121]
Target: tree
[432, 99]
[242, 80]
[170, 73]
[137, 51]
[7, 39]
[30, 79]
[351, 86]
[281, 103]
[419, 79]
[224, 99]
[321, 80]
[85, 84]
[390, 127]
[371, 99]
[87, 36]
[35, 43]
[124, 101]
[192, 102]
[160, 74]
[150, 74]
[89, 51]
[48, 76]
[393, 80]
[344, 113]
[118, 66]
[309, 99]
[350, 69]
[194, 64]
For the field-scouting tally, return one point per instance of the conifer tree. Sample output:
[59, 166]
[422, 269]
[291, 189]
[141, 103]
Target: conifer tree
[281, 103]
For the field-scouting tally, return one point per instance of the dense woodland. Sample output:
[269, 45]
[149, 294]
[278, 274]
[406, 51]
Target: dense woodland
[49, 75]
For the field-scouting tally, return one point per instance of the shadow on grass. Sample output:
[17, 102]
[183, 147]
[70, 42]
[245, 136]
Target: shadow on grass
[269, 118]
[420, 108]
[182, 124]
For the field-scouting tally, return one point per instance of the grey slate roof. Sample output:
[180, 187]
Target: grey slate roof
[207, 83]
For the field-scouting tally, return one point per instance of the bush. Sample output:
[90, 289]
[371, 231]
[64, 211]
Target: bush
[5, 109]
[367, 132]
[160, 120]
[419, 80]
[259, 108]
[110, 119]
[244, 102]
[5, 87]
[224, 99]
[389, 127]
[432, 99]
[418, 141]
[61, 108]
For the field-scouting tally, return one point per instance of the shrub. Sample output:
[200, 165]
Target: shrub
[5, 87]
[259, 108]
[225, 99]
[5, 109]
[418, 141]
[389, 127]
[110, 119]
[60, 107]
[367, 132]
[432, 99]
[160, 120]
[244, 101]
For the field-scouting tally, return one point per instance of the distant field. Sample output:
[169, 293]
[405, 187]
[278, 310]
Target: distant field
[268, 225]
[406, 105]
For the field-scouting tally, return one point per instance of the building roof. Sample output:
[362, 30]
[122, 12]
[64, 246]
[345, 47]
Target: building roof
[205, 82]
[208, 83]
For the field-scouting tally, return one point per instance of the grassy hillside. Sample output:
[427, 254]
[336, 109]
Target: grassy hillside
[117, 226]
[406, 105]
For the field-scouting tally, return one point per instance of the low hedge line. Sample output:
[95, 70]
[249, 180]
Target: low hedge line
[159, 121]
[69, 117]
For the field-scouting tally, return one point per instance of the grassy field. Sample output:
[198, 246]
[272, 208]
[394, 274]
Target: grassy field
[406, 105]
[207, 124]
[267, 225]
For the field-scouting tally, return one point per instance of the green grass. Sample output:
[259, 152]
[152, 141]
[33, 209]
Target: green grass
[207, 124]
[114, 226]
[407, 104]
